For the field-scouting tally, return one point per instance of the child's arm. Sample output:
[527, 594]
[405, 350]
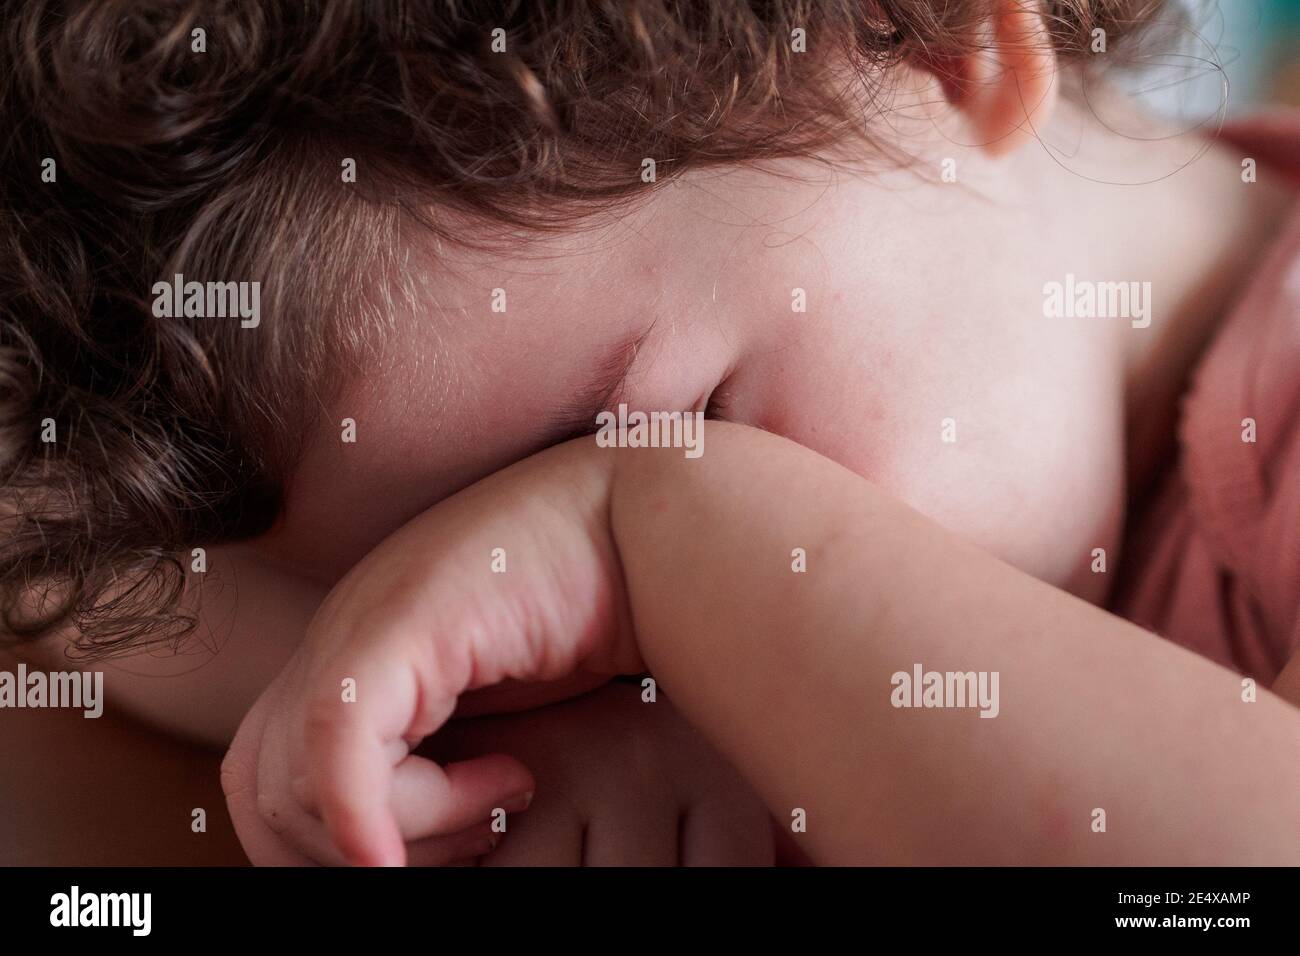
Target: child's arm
[790, 675]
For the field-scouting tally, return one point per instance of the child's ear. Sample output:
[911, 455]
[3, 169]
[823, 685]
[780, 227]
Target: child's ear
[1007, 89]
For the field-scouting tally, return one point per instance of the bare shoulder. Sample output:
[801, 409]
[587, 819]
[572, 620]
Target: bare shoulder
[106, 791]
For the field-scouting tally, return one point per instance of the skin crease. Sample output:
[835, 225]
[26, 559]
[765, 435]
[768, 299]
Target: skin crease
[924, 302]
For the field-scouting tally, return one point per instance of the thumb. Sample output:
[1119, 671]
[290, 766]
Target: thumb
[429, 800]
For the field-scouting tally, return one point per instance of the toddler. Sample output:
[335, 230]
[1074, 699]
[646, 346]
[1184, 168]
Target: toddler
[472, 229]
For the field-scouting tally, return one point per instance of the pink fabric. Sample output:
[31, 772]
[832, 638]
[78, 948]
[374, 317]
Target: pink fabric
[1215, 564]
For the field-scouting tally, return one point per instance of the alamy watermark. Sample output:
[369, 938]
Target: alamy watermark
[75, 690]
[75, 908]
[922, 688]
[651, 430]
[1085, 299]
[208, 300]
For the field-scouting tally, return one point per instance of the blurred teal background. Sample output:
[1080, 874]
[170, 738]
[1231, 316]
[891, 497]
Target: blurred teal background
[1267, 34]
[1254, 43]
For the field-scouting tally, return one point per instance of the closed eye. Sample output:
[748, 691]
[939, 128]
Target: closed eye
[719, 401]
[577, 416]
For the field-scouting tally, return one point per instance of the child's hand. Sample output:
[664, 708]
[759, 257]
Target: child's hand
[321, 768]
[620, 782]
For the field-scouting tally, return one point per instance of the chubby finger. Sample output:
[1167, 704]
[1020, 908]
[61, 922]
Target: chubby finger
[723, 832]
[278, 832]
[648, 839]
[465, 848]
[364, 707]
[263, 845]
[428, 800]
[307, 843]
[245, 786]
[550, 834]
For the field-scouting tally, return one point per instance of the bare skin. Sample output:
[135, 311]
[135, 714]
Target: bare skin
[1066, 416]
[1055, 416]
[1096, 714]
[107, 792]
[629, 558]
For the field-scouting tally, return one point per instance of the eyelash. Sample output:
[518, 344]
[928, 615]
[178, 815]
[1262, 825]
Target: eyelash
[717, 404]
[715, 408]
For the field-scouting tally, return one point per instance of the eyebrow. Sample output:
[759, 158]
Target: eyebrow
[577, 415]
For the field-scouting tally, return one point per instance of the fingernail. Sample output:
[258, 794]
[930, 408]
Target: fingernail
[518, 802]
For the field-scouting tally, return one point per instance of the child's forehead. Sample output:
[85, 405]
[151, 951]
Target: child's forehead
[458, 392]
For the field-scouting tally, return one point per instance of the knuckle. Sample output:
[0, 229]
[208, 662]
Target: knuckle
[271, 808]
[232, 776]
[322, 718]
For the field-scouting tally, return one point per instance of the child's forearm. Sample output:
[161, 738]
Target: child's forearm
[790, 675]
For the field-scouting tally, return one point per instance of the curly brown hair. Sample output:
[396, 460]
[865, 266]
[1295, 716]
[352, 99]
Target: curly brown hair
[225, 164]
